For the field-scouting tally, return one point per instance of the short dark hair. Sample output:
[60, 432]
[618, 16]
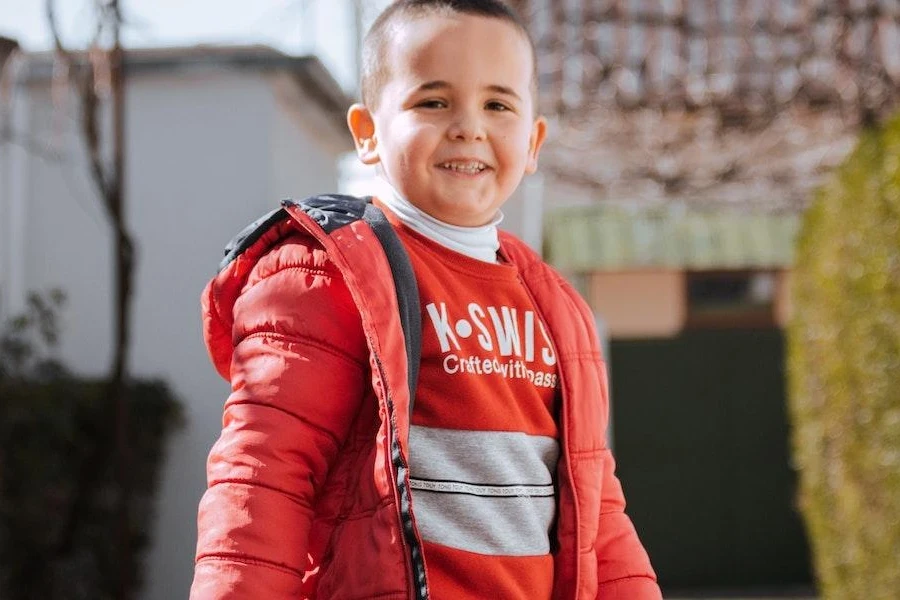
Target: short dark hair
[374, 67]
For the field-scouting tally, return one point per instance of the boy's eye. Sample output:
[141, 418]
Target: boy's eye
[432, 104]
[498, 106]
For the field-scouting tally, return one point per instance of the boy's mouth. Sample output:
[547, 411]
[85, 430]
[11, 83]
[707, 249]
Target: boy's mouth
[467, 167]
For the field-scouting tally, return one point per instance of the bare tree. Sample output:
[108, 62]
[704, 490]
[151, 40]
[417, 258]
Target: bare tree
[7, 47]
[98, 70]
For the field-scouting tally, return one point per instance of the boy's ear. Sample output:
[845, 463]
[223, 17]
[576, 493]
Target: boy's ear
[362, 128]
[538, 135]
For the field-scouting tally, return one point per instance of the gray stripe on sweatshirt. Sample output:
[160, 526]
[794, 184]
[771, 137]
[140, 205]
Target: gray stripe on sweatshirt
[489, 492]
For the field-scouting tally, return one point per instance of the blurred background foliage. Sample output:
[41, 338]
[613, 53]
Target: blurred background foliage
[844, 364]
[58, 493]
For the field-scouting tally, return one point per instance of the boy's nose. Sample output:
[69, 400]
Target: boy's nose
[466, 126]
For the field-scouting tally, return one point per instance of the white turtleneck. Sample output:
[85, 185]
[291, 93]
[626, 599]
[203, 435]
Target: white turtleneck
[481, 243]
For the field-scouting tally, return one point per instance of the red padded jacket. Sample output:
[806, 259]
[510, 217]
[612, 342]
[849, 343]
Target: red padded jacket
[308, 486]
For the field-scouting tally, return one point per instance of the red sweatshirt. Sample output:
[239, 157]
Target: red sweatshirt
[483, 442]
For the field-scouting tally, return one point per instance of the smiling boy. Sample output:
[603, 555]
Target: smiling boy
[333, 478]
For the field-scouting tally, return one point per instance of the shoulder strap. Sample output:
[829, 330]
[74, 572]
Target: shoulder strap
[331, 212]
[251, 234]
[407, 292]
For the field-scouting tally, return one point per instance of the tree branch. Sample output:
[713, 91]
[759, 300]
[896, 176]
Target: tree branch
[81, 78]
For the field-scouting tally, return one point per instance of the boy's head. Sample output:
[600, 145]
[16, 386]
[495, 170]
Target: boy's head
[375, 63]
[449, 105]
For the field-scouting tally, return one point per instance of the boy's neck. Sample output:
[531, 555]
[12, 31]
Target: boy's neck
[481, 243]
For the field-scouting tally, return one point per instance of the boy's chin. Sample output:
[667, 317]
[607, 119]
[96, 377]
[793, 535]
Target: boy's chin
[462, 216]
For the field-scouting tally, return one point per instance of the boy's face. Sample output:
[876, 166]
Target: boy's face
[454, 128]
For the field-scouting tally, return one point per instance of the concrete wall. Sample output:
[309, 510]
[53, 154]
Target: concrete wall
[206, 155]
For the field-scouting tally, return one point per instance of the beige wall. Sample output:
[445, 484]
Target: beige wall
[783, 306]
[640, 304]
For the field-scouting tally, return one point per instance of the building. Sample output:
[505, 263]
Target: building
[215, 137]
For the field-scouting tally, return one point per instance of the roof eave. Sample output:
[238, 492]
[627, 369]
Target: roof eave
[309, 71]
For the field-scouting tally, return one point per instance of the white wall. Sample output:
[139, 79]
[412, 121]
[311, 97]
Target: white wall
[206, 156]
[67, 241]
[14, 118]
[298, 166]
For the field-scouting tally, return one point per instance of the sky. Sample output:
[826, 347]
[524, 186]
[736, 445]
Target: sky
[324, 27]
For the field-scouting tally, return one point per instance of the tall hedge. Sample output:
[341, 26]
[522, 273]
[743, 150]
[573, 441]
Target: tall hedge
[59, 493]
[58, 490]
[844, 365]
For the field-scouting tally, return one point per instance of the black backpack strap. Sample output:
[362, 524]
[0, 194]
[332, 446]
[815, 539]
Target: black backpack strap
[251, 234]
[407, 292]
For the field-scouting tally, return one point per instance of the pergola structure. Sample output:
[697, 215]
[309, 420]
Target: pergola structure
[709, 103]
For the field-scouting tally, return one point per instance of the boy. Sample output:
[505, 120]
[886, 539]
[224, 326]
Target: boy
[492, 479]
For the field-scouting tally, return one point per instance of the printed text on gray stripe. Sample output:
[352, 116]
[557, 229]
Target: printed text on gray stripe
[489, 492]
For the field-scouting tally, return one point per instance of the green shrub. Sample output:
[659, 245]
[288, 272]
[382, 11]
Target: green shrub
[59, 496]
[844, 365]
[56, 441]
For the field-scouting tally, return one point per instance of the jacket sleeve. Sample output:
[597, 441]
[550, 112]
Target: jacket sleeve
[623, 567]
[297, 373]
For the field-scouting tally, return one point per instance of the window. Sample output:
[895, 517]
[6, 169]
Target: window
[731, 299]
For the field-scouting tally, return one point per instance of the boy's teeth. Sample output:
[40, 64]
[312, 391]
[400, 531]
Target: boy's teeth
[476, 167]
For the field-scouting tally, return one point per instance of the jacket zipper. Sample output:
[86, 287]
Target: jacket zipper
[409, 537]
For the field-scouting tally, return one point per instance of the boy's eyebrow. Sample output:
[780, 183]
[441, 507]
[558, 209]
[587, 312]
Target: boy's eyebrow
[502, 89]
[441, 85]
[433, 85]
